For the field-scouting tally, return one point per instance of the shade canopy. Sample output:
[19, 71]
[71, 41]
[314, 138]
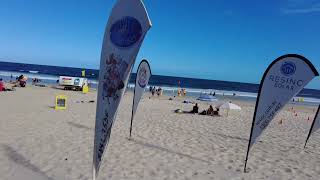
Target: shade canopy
[229, 105]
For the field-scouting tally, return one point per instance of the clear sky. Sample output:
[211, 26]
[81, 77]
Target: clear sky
[212, 39]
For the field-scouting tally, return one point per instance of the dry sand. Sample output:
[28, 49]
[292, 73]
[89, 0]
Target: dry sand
[40, 143]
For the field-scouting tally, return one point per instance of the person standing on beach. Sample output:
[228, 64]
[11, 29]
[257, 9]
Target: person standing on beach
[159, 91]
[153, 91]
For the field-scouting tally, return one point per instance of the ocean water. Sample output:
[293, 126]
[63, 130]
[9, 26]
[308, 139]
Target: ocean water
[50, 74]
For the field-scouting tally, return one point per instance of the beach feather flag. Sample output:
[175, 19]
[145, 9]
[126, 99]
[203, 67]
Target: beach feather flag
[142, 79]
[284, 78]
[83, 73]
[314, 126]
[124, 34]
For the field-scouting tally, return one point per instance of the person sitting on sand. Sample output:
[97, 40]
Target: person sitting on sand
[209, 111]
[216, 112]
[195, 108]
[2, 87]
[21, 81]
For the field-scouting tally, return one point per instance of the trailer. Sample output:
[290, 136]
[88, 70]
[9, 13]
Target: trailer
[72, 83]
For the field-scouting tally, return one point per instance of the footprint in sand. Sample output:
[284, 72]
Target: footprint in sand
[223, 150]
[264, 160]
[152, 173]
[288, 170]
[195, 173]
[308, 175]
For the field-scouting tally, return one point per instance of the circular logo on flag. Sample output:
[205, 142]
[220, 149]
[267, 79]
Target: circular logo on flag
[142, 77]
[125, 32]
[288, 68]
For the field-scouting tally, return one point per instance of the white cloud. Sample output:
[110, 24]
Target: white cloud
[301, 11]
[301, 7]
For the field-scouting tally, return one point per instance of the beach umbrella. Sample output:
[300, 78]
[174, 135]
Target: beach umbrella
[229, 106]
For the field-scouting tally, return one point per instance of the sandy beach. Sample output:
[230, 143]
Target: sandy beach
[40, 143]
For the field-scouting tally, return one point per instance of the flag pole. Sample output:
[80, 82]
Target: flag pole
[93, 172]
[131, 124]
[314, 120]
[132, 109]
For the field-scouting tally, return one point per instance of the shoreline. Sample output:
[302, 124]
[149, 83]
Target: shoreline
[170, 90]
[193, 92]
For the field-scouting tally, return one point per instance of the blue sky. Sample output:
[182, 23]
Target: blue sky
[212, 39]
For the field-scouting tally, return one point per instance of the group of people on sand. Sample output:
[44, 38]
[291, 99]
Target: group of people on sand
[35, 81]
[214, 93]
[182, 92]
[210, 111]
[155, 90]
[21, 81]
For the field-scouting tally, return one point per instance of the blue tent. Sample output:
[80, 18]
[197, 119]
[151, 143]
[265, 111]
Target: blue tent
[206, 97]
